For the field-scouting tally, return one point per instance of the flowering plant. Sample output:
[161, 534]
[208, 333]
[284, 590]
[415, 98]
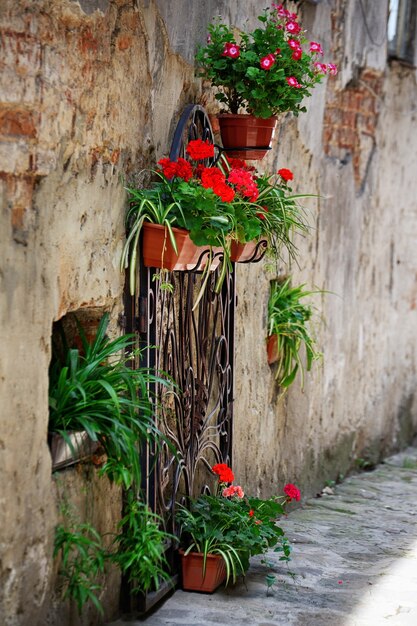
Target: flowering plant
[234, 525]
[216, 204]
[267, 71]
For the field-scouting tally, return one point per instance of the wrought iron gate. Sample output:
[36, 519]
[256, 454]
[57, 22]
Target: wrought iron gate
[194, 345]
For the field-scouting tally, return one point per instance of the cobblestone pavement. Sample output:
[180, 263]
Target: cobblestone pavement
[354, 563]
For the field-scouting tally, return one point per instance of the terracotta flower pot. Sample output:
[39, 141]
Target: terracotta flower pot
[246, 131]
[272, 349]
[250, 251]
[240, 252]
[157, 249]
[193, 578]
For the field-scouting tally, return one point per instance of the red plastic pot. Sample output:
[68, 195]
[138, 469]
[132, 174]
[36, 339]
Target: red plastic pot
[272, 349]
[157, 250]
[246, 131]
[193, 577]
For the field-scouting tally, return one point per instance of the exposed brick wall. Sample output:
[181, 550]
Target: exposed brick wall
[350, 121]
[20, 62]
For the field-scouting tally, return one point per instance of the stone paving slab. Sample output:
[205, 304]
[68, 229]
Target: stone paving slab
[354, 563]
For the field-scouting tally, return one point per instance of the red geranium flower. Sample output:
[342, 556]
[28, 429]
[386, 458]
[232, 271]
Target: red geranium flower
[212, 175]
[244, 183]
[224, 473]
[169, 168]
[184, 169]
[225, 192]
[251, 513]
[292, 492]
[199, 149]
[285, 174]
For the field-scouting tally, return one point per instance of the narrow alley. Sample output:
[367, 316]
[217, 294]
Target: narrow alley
[354, 563]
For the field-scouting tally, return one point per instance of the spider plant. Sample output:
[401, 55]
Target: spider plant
[140, 546]
[146, 205]
[288, 319]
[82, 557]
[97, 391]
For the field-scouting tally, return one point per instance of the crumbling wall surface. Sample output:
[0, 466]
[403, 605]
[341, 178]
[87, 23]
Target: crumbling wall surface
[356, 147]
[87, 93]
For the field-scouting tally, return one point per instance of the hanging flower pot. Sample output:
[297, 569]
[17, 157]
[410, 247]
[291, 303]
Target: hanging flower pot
[157, 250]
[245, 136]
[194, 578]
[250, 251]
[240, 252]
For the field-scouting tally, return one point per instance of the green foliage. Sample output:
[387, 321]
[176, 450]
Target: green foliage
[137, 549]
[244, 83]
[82, 555]
[98, 392]
[288, 319]
[409, 463]
[278, 215]
[140, 546]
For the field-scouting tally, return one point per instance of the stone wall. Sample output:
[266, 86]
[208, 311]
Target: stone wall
[89, 94]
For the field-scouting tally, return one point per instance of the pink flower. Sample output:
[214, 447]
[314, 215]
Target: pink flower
[233, 490]
[321, 68]
[293, 27]
[332, 68]
[267, 62]
[297, 54]
[280, 10]
[231, 50]
[316, 47]
[293, 82]
[294, 44]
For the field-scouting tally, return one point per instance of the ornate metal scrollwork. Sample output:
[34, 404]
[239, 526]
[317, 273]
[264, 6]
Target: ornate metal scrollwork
[194, 346]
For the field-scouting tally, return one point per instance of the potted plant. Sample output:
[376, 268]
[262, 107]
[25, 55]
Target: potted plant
[224, 530]
[95, 391]
[214, 207]
[288, 331]
[260, 74]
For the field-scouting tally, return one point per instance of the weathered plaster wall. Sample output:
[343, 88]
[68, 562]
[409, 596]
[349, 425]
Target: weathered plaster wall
[88, 92]
[356, 147]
